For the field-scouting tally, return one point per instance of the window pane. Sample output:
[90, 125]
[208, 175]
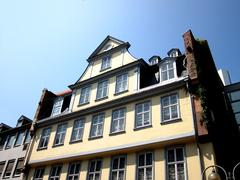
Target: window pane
[141, 160]
[166, 114]
[149, 159]
[122, 162]
[237, 116]
[165, 101]
[19, 138]
[171, 155]
[171, 172]
[173, 99]
[171, 74]
[99, 164]
[140, 174]
[164, 76]
[121, 175]
[180, 171]
[174, 112]
[235, 95]
[149, 173]
[115, 163]
[10, 141]
[27, 138]
[114, 176]
[236, 106]
[179, 153]
[92, 166]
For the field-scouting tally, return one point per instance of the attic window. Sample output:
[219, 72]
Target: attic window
[108, 47]
[57, 106]
[168, 71]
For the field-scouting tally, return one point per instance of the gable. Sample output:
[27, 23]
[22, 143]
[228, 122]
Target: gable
[107, 44]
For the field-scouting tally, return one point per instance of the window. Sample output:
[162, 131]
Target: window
[19, 139]
[77, 131]
[170, 108]
[9, 168]
[121, 83]
[60, 134]
[2, 142]
[27, 137]
[106, 62]
[167, 71]
[102, 89]
[85, 94]
[73, 171]
[57, 106]
[44, 138]
[97, 125]
[145, 166]
[118, 120]
[142, 114]
[19, 167]
[118, 168]
[176, 164]
[1, 168]
[39, 172]
[55, 172]
[11, 139]
[94, 171]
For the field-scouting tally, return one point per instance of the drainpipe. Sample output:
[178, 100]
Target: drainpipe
[191, 96]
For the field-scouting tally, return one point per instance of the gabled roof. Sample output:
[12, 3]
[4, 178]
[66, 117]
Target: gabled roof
[104, 42]
[22, 117]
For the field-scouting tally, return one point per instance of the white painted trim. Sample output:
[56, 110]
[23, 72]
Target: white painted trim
[125, 146]
[72, 100]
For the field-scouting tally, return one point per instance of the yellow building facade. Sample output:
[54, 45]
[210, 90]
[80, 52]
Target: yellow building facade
[123, 119]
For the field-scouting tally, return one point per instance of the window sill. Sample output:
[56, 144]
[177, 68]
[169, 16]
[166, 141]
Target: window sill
[142, 127]
[101, 70]
[79, 105]
[17, 145]
[57, 145]
[39, 149]
[171, 121]
[100, 99]
[95, 137]
[76, 141]
[118, 93]
[117, 133]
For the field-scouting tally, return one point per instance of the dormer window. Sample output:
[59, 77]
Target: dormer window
[106, 63]
[167, 70]
[174, 52]
[57, 106]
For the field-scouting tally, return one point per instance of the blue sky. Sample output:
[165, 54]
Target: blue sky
[45, 44]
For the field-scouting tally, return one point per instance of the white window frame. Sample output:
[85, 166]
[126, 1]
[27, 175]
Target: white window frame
[106, 63]
[145, 166]
[39, 171]
[85, 95]
[76, 174]
[174, 71]
[8, 141]
[121, 84]
[58, 102]
[118, 119]
[101, 88]
[175, 162]
[16, 167]
[45, 138]
[142, 114]
[61, 132]
[17, 137]
[55, 176]
[118, 169]
[100, 122]
[79, 129]
[170, 107]
[5, 171]
[95, 166]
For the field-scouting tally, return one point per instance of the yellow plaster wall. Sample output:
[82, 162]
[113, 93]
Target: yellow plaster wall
[118, 59]
[193, 169]
[111, 91]
[157, 130]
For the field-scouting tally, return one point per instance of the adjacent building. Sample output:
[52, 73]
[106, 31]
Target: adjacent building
[13, 147]
[128, 119]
